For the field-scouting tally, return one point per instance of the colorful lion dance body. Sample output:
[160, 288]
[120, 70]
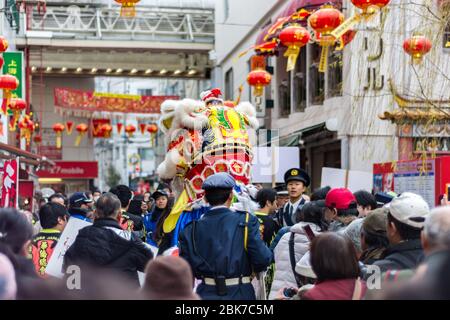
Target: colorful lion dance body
[204, 137]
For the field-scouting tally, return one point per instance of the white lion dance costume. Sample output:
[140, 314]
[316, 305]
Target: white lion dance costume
[203, 138]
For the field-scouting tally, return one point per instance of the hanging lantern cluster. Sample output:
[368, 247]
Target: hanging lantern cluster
[369, 9]
[128, 9]
[58, 128]
[323, 22]
[16, 106]
[417, 47]
[82, 128]
[26, 126]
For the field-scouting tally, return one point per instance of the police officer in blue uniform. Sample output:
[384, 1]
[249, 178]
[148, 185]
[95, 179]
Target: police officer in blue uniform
[224, 247]
[297, 180]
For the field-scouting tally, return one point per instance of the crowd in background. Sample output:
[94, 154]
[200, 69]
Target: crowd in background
[324, 246]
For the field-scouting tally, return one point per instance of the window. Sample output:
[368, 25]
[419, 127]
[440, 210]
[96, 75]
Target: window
[285, 97]
[229, 85]
[317, 79]
[300, 82]
[447, 36]
[335, 74]
[226, 9]
[146, 154]
[145, 92]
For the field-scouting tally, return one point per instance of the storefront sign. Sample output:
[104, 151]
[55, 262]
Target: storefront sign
[10, 184]
[71, 170]
[14, 66]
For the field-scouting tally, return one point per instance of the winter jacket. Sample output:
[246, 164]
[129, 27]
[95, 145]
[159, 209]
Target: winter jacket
[334, 290]
[150, 222]
[403, 255]
[79, 214]
[106, 245]
[284, 275]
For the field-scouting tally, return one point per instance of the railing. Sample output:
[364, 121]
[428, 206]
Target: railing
[153, 24]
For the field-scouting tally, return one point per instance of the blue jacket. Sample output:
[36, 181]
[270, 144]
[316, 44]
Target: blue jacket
[219, 251]
[79, 213]
[150, 221]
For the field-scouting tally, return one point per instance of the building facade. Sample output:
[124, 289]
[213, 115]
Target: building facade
[334, 116]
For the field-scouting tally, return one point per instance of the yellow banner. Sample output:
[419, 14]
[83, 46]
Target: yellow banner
[324, 59]
[117, 96]
[345, 26]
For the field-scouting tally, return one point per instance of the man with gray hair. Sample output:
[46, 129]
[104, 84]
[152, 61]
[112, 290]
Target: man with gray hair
[106, 245]
[435, 239]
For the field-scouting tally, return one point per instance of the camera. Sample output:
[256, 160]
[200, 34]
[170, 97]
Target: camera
[289, 292]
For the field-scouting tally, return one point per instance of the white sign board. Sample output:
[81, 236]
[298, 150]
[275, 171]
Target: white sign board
[351, 179]
[54, 267]
[269, 160]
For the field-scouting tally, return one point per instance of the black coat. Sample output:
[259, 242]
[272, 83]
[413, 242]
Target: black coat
[106, 245]
[404, 255]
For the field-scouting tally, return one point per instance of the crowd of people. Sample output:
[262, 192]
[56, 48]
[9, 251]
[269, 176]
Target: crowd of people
[329, 245]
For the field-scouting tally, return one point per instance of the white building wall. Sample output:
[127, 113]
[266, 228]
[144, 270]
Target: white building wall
[365, 138]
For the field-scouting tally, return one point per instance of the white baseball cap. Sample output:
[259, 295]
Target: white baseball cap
[410, 209]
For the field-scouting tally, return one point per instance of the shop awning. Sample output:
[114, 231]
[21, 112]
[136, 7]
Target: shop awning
[25, 156]
[270, 31]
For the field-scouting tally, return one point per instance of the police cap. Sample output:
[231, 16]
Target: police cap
[221, 180]
[297, 174]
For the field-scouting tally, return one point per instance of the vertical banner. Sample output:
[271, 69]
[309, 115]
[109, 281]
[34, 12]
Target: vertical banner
[14, 66]
[10, 184]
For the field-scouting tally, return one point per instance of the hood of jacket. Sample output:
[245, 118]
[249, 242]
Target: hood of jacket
[298, 228]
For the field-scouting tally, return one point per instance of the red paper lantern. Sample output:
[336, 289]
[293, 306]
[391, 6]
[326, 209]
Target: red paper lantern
[130, 130]
[142, 127]
[3, 44]
[2, 62]
[323, 22]
[106, 130]
[326, 19]
[367, 5]
[152, 128]
[82, 128]
[69, 127]
[26, 126]
[37, 139]
[417, 47]
[294, 37]
[128, 8]
[119, 127]
[58, 128]
[16, 106]
[258, 79]
[7, 83]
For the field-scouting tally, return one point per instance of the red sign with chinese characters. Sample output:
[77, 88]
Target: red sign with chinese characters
[71, 170]
[90, 101]
[10, 184]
